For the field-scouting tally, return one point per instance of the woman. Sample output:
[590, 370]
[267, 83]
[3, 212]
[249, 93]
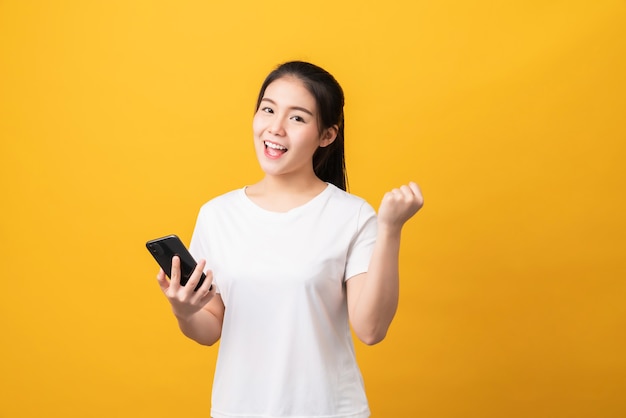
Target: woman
[295, 261]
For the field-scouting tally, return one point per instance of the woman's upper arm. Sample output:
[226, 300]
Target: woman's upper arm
[216, 308]
[354, 285]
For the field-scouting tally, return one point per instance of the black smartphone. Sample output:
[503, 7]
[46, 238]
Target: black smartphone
[164, 248]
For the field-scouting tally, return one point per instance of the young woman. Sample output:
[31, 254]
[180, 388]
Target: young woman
[292, 261]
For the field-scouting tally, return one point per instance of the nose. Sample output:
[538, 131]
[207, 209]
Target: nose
[276, 126]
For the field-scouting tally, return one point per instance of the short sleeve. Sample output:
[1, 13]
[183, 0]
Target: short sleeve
[362, 245]
[199, 246]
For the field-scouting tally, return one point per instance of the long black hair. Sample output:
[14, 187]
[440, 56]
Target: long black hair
[329, 162]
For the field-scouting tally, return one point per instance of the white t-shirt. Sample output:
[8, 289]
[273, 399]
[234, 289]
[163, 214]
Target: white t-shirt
[286, 348]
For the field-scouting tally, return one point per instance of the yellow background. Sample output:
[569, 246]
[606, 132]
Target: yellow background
[118, 119]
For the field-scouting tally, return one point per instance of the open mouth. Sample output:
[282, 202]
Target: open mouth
[274, 150]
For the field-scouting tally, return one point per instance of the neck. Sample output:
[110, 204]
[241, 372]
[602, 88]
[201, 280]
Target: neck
[283, 193]
[287, 185]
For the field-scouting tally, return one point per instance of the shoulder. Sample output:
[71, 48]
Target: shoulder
[223, 202]
[348, 200]
[226, 199]
[350, 209]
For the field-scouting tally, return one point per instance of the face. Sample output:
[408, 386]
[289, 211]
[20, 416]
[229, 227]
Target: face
[286, 131]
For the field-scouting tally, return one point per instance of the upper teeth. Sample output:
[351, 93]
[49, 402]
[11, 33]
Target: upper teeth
[275, 146]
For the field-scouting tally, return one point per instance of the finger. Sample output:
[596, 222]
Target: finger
[175, 274]
[206, 292]
[415, 188]
[407, 192]
[403, 195]
[417, 192]
[194, 279]
[393, 194]
[164, 284]
[410, 191]
[209, 280]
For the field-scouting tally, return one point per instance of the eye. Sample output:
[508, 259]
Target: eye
[267, 109]
[297, 118]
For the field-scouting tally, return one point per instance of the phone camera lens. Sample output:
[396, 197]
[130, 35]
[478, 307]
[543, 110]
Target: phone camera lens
[156, 249]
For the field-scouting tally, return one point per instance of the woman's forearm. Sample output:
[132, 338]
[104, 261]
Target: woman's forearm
[373, 296]
[377, 291]
[203, 327]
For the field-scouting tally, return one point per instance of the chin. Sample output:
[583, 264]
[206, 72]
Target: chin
[268, 169]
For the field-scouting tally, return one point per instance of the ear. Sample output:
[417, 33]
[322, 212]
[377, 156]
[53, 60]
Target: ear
[329, 135]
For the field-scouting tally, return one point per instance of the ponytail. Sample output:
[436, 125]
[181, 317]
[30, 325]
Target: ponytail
[329, 162]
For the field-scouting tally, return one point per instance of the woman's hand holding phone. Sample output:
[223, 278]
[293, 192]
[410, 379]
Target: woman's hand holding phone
[184, 300]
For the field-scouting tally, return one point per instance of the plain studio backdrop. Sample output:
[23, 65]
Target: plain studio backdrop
[118, 119]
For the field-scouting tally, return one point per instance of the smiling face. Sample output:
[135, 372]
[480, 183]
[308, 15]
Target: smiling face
[286, 129]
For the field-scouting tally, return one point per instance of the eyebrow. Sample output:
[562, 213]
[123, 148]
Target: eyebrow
[302, 109]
